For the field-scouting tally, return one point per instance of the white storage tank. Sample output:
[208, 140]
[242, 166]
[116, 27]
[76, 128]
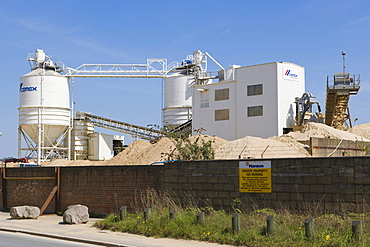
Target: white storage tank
[177, 99]
[44, 107]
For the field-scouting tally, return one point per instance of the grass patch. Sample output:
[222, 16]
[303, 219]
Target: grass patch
[330, 230]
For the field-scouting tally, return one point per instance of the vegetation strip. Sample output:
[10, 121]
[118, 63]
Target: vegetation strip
[256, 227]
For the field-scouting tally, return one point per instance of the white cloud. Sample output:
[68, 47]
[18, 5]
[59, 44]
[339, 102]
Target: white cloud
[225, 32]
[69, 34]
[358, 20]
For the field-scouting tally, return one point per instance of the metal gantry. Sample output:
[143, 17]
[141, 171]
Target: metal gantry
[154, 68]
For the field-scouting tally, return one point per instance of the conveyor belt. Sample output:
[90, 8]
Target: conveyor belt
[338, 90]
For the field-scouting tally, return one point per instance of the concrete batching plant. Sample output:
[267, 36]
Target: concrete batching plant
[45, 112]
[232, 103]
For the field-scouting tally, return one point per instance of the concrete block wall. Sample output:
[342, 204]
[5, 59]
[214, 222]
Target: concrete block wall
[312, 184]
[322, 147]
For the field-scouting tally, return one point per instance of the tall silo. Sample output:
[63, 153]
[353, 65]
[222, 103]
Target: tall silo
[178, 88]
[177, 99]
[44, 110]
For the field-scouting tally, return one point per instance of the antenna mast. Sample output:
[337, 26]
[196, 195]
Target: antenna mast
[344, 61]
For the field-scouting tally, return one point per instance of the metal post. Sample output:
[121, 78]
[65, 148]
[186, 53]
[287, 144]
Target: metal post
[4, 188]
[19, 142]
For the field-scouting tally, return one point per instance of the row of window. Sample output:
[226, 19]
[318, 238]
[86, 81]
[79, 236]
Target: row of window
[223, 94]
[252, 111]
[252, 90]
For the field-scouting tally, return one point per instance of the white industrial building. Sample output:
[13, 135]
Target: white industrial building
[254, 100]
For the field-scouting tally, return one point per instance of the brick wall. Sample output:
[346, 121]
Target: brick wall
[103, 189]
[29, 191]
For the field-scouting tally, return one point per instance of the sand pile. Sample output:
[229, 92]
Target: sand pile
[361, 130]
[216, 141]
[255, 147]
[63, 162]
[143, 153]
[323, 131]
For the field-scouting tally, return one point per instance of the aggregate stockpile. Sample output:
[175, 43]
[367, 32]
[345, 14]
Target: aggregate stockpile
[361, 130]
[325, 141]
[292, 145]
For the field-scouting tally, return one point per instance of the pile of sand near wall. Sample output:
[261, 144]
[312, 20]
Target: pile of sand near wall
[63, 162]
[143, 153]
[320, 130]
[361, 130]
[255, 147]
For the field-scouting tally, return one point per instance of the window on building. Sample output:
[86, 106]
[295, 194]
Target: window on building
[223, 114]
[204, 98]
[222, 94]
[255, 111]
[254, 90]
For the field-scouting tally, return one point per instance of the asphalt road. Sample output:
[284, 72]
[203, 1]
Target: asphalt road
[11, 239]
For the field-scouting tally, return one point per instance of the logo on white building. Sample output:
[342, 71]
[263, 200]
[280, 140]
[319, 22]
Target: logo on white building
[290, 74]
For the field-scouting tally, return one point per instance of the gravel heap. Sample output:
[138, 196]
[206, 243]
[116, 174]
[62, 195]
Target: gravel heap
[323, 131]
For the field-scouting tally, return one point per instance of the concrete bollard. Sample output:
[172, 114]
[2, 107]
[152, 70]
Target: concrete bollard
[357, 229]
[147, 213]
[123, 213]
[309, 227]
[271, 224]
[200, 218]
[172, 214]
[236, 222]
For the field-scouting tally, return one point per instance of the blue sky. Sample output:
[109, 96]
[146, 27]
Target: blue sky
[309, 33]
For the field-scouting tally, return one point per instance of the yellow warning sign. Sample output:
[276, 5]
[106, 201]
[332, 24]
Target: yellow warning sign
[255, 176]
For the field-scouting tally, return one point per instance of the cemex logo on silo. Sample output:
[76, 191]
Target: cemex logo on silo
[25, 89]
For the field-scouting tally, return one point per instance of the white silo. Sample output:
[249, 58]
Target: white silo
[177, 98]
[44, 109]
